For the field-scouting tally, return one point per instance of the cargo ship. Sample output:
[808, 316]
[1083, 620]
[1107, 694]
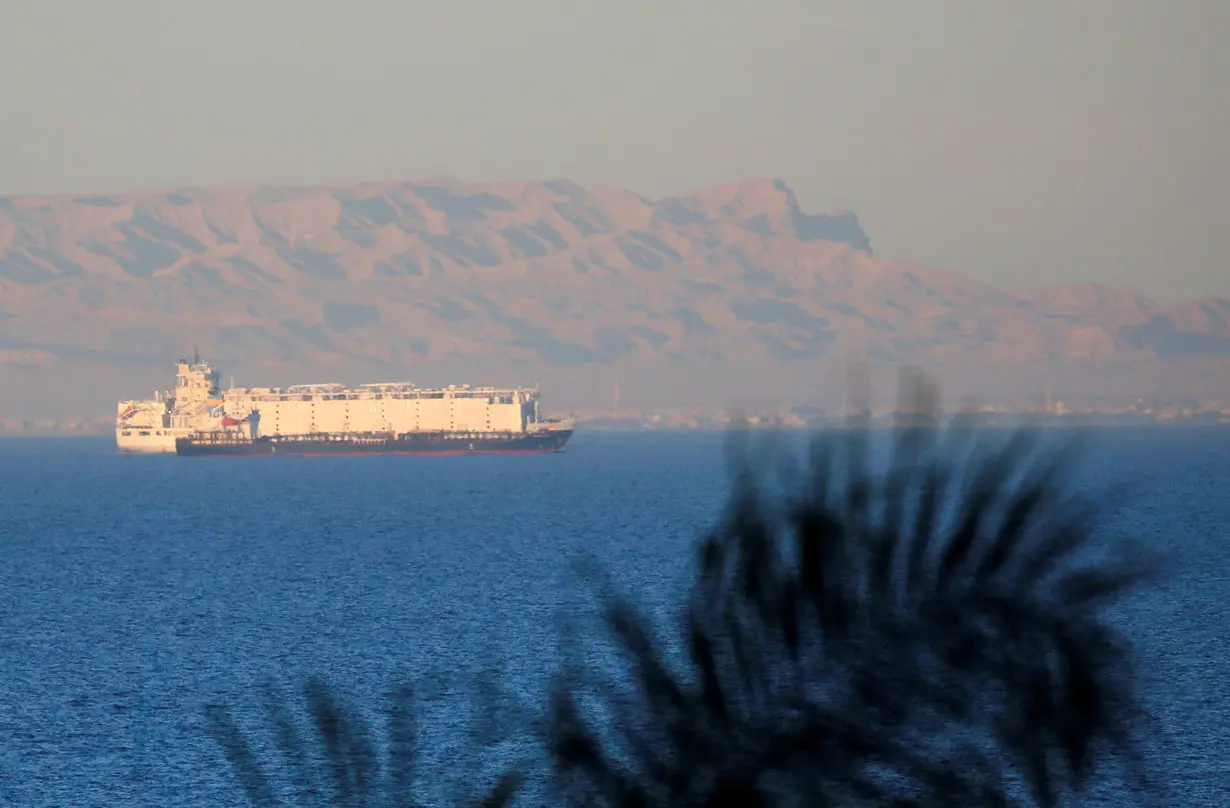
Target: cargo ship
[198, 419]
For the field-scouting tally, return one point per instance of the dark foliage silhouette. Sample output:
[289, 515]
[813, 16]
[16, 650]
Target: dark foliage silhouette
[929, 634]
[349, 773]
[915, 637]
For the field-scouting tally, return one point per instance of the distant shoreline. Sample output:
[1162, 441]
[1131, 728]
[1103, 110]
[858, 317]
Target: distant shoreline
[879, 424]
[887, 426]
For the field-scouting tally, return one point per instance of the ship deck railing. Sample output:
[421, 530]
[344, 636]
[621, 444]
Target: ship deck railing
[494, 396]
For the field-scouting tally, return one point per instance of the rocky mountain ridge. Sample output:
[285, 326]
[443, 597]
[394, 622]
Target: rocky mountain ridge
[392, 276]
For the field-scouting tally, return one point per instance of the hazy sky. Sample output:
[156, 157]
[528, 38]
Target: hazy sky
[1020, 142]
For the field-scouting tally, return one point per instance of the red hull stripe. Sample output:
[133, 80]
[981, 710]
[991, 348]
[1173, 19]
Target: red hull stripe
[396, 454]
[451, 453]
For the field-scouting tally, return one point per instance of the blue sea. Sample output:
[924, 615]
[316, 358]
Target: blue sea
[135, 589]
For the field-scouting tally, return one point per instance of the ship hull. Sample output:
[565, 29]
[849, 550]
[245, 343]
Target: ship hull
[156, 442]
[343, 445]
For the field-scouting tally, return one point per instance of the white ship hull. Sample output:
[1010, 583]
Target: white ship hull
[151, 441]
[378, 408]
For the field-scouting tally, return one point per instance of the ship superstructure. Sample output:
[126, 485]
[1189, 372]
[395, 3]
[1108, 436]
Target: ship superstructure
[377, 418]
[152, 425]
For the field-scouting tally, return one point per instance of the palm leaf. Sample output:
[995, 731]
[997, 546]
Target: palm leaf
[821, 637]
[355, 775]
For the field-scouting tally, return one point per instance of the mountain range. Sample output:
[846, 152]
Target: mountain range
[724, 291]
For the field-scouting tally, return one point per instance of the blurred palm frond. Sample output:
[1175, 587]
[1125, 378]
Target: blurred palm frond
[922, 635]
[349, 773]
